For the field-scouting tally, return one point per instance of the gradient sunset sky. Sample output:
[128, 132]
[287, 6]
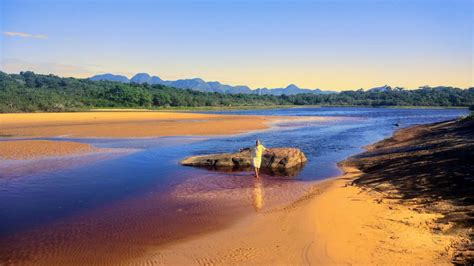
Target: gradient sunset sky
[335, 45]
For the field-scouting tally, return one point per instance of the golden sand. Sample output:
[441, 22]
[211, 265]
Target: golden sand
[333, 224]
[30, 149]
[111, 124]
[127, 124]
[117, 124]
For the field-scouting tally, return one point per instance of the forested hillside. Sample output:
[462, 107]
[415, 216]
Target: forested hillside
[28, 92]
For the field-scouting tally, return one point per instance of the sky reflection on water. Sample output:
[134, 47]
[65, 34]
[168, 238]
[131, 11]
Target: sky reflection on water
[41, 197]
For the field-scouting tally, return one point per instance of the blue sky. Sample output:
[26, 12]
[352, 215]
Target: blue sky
[314, 44]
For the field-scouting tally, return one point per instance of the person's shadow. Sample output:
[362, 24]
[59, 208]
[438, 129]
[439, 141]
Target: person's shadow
[257, 195]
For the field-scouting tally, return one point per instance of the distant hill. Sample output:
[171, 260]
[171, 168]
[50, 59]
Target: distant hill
[291, 89]
[110, 77]
[198, 84]
[30, 92]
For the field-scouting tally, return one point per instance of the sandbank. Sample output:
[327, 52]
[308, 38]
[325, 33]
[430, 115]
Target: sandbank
[129, 124]
[33, 149]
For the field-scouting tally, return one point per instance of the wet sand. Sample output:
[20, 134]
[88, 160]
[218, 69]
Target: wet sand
[334, 223]
[121, 231]
[129, 124]
[116, 124]
[407, 200]
[34, 149]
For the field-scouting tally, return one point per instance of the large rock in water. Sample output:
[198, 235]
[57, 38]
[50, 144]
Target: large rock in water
[285, 160]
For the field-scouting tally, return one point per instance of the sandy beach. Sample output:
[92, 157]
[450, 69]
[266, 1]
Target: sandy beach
[428, 167]
[384, 220]
[119, 123]
[207, 133]
[128, 124]
[392, 217]
[116, 124]
[33, 149]
[334, 223]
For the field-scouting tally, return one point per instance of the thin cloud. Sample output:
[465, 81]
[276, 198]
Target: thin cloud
[25, 35]
[15, 65]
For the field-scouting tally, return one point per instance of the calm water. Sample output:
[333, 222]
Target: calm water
[325, 144]
[38, 196]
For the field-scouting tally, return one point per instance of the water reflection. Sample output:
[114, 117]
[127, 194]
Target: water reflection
[288, 173]
[257, 195]
[129, 202]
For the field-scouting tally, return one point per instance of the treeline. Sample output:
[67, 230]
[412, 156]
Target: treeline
[29, 92]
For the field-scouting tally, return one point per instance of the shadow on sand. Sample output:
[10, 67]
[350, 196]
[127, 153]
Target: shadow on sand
[428, 165]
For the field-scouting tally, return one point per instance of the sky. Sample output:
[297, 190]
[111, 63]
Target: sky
[334, 45]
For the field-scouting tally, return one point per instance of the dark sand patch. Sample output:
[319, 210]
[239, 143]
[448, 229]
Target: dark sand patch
[430, 167]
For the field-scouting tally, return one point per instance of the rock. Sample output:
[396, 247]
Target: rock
[276, 159]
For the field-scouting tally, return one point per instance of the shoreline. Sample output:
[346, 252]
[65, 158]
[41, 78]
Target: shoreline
[234, 108]
[38, 149]
[131, 124]
[118, 124]
[436, 176]
[334, 223]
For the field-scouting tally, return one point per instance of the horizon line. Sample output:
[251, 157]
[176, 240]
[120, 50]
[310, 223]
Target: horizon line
[206, 81]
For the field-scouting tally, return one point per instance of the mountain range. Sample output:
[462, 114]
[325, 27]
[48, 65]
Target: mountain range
[198, 84]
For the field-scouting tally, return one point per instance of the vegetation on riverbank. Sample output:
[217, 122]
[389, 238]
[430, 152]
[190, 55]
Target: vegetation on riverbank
[30, 92]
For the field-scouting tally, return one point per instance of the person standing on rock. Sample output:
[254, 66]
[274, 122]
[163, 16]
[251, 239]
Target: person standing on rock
[257, 153]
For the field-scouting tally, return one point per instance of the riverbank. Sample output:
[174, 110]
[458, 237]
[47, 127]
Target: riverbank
[116, 124]
[430, 168]
[34, 149]
[334, 223]
[127, 124]
[362, 217]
